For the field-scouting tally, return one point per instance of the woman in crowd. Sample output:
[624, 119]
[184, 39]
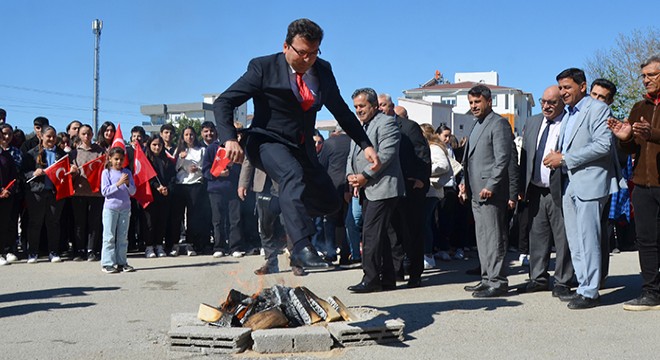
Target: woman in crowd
[452, 217]
[190, 193]
[162, 185]
[8, 189]
[106, 135]
[87, 202]
[41, 203]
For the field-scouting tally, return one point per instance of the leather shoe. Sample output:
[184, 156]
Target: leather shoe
[414, 283]
[480, 286]
[533, 286]
[583, 302]
[364, 287]
[560, 290]
[491, 292]
[308, 258]
[265, 270]
[569, 297]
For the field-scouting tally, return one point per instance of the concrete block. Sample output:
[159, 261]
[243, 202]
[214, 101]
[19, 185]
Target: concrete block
[368, 332]
[294, 340]
[208, 339]
[185, 319]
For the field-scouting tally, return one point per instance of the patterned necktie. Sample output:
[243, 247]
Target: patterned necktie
[305, 93]
[540, 149]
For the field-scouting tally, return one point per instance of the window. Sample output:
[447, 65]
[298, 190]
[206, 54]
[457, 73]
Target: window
[450, 100]
[506, 102]
[494, 100]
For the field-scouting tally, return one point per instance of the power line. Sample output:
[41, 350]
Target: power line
[41, 91]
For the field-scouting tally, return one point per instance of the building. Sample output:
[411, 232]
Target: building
[437, 102]
[171, 113]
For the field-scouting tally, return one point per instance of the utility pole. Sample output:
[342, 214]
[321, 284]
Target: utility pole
[97, 25]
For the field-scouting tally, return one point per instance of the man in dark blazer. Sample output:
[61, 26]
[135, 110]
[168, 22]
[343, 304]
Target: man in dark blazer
[486, 182]
[288, 89]
[543, 198]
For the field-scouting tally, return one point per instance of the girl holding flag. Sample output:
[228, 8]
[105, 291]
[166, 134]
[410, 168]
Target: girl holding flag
[87, 161]
[42, 203]
[8, 187]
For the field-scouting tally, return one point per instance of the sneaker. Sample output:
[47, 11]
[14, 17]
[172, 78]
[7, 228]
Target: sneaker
[175, 250]
[647, 301]
[218, 254]
[91, 256]
[54, 258]
[429, 262]
[149, 252]
[262, 252]
[160, 252]
[459, 254]
[237, 254]
[524, 259]
[442, 255]
[32, 259]
[11, 258]
[191, 251]
[109, 270]
[125, 268]
[3, 261]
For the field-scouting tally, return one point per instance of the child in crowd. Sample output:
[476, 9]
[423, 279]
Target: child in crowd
[116, 186]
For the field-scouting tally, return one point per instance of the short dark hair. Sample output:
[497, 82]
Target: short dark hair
[370, 93]
[306, 29]
[3, 113]
[139, 129]
[575, 74]
[41, 121]
[480, 90]
[169, 127]
[604, 83]
[207, 125]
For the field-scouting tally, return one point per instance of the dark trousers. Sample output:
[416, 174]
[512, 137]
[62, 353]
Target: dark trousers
[6, 240]
[249, 223]
[646, 201]
[377, 262]
[194, 201]
[408, 223]
[66, 225]
[226, 220]
[44, 210]
[156, 217]
[270, 229]
[87, 224]
[305, 189]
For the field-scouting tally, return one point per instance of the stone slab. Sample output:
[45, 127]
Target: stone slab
[294, 340]
[190, 334]
[367, 332]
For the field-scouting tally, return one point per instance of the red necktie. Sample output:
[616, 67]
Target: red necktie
[305, 93]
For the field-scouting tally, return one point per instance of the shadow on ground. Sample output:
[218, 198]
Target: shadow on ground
[56, 293]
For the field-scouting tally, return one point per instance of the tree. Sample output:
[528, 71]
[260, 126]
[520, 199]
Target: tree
[184, 122]
[621, 65]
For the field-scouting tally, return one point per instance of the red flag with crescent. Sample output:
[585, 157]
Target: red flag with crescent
[142, 173]
[220, 162]
[118, 141]
[59, 174]
[92, 170]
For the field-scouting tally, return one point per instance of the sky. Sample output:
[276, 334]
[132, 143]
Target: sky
[166, 52]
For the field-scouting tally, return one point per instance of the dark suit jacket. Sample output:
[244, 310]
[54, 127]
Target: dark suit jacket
[527, 154]
[333, 158]
[277, 112]
[414, 153]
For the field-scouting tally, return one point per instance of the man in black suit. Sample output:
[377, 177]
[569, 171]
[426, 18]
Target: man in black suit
[288, 89]
[542, 189]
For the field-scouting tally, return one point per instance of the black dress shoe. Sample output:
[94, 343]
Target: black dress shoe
[364, 287]
[533, 286]
[569, 296]
[480, 286]
[388, 287]
[560, 290]
[414, 283]
[583, 302]
[308, 258]
[491, 292]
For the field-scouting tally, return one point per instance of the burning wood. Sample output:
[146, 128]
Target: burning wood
[278, 306]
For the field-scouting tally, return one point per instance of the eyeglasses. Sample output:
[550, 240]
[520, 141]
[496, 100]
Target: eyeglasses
[549, 102]
[649, 76]
[305, 54]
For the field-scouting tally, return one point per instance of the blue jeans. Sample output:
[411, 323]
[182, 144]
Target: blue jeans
[115, 237]
[354, 227]
[430, 204]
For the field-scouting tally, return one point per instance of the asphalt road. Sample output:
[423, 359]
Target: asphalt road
[74, 311]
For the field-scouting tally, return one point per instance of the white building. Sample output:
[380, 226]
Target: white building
[171, 113]
[428, 104]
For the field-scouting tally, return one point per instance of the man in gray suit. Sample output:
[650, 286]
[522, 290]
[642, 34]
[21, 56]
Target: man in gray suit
[540, 135]
[585, 157]
[379, 191]
[486, 182]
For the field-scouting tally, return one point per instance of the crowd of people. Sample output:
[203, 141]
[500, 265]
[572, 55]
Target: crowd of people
[381, 192]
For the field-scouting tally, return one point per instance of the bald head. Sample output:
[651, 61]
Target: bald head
[551, 103]
[401, 112]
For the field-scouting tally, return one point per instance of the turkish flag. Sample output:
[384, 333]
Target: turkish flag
[143, 172]
[59, 174]
[143, 194]
[92, 171]
[220, 162]
[118, 141]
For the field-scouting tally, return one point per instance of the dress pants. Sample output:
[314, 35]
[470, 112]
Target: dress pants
[226, 220]
[305, 189]
[272, 240]
[408, 224]
[377, 262]
[546, 224]
[6, 237]
[582, 219]
[491, 234]
[156, 216]
[646, 201]
[44, 209]
[87, 226]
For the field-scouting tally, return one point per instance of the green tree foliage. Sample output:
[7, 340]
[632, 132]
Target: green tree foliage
[621, 65]
[184, 122]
